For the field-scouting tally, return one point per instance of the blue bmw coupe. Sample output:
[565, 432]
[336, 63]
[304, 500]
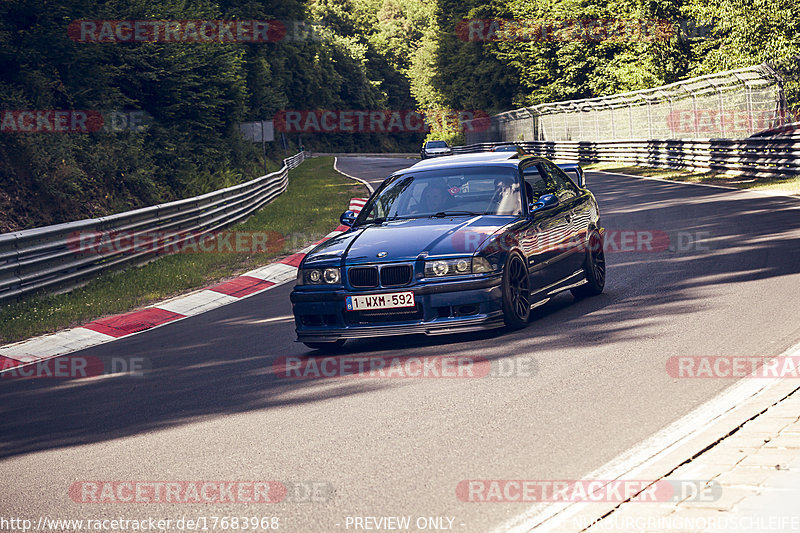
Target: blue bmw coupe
[454, 244]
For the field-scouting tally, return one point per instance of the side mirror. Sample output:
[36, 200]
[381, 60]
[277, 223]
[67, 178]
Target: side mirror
[348, 218]
[546, 201]
[581, 178]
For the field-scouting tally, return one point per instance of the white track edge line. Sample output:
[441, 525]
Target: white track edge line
[111, 338]
[336, 168]
[651, 449]
[155, 305]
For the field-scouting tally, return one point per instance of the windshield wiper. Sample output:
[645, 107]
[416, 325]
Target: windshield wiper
[442, 214]
[379, 220]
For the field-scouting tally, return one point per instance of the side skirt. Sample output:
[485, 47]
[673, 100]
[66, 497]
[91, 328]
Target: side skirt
[567, 283]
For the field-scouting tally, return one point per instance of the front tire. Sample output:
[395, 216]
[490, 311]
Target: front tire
[516, 292]
[326, 346]
[594, 267]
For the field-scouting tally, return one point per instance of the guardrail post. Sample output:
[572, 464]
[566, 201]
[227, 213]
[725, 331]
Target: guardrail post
[721, 113]
[630, 119]
[613, 127]
[9, 264]
[596, 125]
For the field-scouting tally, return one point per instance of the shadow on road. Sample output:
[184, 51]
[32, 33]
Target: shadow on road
[211, 365]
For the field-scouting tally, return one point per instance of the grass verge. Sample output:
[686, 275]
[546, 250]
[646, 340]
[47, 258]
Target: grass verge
[307, 211]
[789, 185]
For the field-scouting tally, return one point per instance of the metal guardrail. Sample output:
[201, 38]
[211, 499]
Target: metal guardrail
[756, 157]
[47, 258]
[409, 155]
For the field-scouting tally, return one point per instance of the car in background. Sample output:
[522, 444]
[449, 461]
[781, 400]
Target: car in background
[509, 148]
[456, 244]
[435, 149]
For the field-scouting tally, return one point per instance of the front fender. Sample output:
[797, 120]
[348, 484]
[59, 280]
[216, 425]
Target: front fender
[500, 244]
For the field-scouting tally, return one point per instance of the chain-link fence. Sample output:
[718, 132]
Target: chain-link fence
[732, 104]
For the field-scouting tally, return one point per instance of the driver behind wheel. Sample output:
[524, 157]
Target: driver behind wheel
[434, 198]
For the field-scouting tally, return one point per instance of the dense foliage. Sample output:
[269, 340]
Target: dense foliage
[194, 95]
[368, 54]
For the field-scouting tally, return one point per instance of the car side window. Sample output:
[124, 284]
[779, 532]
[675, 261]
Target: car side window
[573, 175]
[565, 189]
[537, 183]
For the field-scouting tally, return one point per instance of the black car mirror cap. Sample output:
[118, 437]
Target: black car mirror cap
[348, 218]
[546, 201]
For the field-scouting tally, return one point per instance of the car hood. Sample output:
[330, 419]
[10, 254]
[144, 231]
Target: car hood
[405, 240]
[437, 150]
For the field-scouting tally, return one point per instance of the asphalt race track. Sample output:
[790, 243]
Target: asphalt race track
[725, 282]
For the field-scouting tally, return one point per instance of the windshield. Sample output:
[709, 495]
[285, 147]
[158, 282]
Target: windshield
[467, 191]
[436, 144]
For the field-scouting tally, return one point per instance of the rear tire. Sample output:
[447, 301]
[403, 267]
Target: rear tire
[516, 292]
[594, 267]
[326, 346]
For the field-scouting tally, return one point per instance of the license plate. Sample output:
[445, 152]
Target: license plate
[380, 301]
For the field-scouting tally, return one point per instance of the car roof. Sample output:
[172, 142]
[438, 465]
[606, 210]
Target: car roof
[508, 159]
[505, 159]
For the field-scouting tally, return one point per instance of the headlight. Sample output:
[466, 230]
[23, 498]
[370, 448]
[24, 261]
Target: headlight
[440, 268]
[318, 276]
[450, 267]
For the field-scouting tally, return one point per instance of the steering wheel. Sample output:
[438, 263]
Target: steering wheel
[495, 199]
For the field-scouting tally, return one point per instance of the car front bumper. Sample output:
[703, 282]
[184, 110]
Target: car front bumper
[441, 308]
